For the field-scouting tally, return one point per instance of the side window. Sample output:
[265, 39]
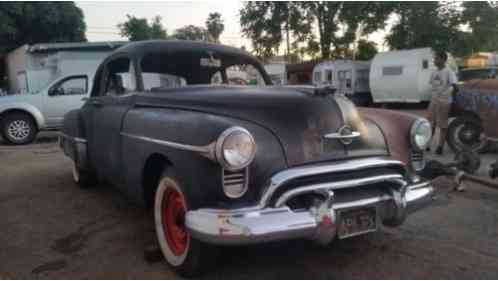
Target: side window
[392, 70]
[77, 85]
[120, 78]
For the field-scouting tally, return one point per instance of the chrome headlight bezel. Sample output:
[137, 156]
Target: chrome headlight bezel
[219, 151]
[415, 131]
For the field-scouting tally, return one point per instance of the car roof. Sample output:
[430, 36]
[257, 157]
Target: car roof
[137, 49]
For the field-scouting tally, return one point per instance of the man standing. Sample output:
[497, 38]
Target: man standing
[442, 82]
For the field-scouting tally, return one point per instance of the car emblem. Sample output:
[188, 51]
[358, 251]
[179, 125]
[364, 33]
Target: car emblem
[345, 135]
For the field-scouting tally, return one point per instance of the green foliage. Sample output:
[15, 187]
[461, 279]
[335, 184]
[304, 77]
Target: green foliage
[39, 22]
[214, 26]
[366, 50]
[136, 29]
[439, 25]
[421, 24]
[191, 32]
[266, 23]
[482, 18]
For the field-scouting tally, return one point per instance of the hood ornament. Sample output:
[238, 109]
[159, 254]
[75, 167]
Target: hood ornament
[345, 135]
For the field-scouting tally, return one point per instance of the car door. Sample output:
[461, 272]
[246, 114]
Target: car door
[62, 96]
[105, 113]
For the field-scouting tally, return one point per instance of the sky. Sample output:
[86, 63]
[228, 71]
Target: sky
[102, 17]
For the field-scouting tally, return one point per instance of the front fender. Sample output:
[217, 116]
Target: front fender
[201, 176]
[396, 127]
[25, 107]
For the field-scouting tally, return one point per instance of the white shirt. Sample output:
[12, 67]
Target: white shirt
[441, 81]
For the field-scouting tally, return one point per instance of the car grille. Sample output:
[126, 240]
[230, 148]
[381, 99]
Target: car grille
[235, 180]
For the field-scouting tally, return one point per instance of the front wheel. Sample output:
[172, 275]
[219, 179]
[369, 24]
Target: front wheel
[18, 128]
[466, 133]
[185, 254]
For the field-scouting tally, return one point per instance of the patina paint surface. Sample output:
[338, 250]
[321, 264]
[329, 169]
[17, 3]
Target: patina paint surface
[481, 98]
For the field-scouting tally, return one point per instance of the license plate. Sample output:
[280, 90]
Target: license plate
[356, 222]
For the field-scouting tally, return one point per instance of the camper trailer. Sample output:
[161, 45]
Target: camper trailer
[403, 76]
[348, 77]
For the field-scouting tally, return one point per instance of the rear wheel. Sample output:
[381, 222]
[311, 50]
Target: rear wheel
[466, 133]
[18, 128]
[188, 256]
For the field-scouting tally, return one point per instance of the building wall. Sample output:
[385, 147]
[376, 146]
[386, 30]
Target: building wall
[16, 64]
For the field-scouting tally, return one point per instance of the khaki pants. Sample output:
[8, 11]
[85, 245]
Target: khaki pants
[438, 112]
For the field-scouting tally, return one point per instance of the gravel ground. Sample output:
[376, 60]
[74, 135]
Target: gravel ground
[51, 229]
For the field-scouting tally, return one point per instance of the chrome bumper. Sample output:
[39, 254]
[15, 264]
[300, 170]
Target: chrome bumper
[320, 223]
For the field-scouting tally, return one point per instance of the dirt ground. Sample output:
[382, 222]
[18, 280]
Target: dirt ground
[51, 229]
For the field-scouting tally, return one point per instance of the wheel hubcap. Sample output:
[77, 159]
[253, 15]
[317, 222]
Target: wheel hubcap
[18, 130]
[173, 219]
[467, 136]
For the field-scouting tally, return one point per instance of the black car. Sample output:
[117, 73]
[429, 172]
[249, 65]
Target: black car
[228, 164]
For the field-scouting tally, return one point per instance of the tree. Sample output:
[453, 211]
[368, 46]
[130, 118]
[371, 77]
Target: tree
[338, 22]
[266, 24]
[426, 24]
[214, 26]
[136, 29]
[191, 32]
[366, 50]
[482, 18]
[39, 22]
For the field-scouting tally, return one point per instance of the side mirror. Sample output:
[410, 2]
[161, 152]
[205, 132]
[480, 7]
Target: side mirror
[54, 91]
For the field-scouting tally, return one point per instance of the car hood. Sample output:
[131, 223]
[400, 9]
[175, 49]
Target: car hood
[297, 116]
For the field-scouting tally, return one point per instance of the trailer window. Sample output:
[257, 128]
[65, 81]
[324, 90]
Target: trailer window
[328, 75]
[317, 77]
[425, 64]
[392, 70]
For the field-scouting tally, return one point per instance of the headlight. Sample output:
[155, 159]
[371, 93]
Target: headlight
[420, 134]
[235, 149]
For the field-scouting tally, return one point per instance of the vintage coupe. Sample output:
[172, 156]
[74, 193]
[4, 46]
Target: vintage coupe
[475, 109]
[227, 165]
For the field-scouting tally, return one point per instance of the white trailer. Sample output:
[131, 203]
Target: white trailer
[403, 76]
[32, 67]
[348, 77]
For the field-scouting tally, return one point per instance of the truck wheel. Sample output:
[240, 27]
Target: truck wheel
[188, 256]
[83, 178]
[466, 133]
[18, 128]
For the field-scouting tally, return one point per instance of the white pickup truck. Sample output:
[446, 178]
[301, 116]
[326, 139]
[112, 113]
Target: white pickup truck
[22, 116]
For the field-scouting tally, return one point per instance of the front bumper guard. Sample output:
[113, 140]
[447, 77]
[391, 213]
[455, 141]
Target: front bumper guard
[320, 222]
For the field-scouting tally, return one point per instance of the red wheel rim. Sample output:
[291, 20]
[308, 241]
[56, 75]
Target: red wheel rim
[173, 219]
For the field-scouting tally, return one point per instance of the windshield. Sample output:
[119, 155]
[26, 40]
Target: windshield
[164, 71]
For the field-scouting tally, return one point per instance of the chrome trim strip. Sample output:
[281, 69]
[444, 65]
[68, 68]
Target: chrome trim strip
[319, 222]
[200, 149]
[285, 176]
[76, 139]
[353, 134]
[337, 185]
